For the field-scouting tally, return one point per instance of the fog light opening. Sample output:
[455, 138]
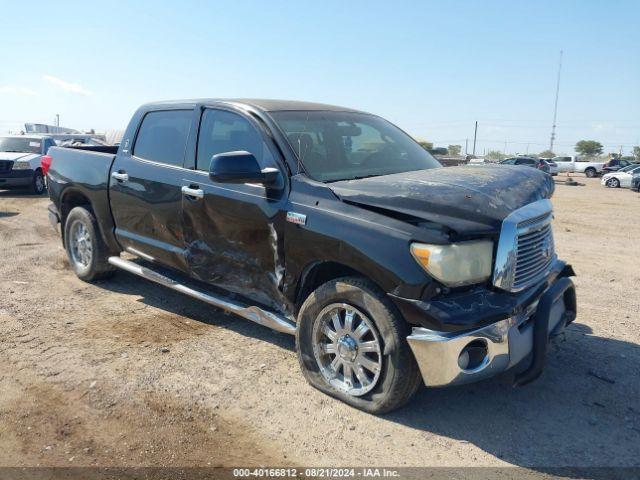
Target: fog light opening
[473, 356]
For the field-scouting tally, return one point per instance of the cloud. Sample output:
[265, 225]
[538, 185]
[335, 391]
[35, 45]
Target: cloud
[13, 90]
[67, 86]
[603, 126]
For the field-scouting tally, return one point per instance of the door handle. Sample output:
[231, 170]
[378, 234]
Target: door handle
[193, 192]
[121, 177]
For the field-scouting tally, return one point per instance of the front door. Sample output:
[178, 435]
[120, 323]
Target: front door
[145, 189]
[234, 232]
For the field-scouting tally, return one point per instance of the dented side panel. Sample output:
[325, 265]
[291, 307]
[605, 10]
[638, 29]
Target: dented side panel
[233, 239]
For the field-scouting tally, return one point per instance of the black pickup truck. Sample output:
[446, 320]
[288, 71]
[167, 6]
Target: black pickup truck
[332, 225]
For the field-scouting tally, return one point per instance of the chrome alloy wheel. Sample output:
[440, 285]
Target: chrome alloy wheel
[347, 349]
[39, 182]
[81, 248]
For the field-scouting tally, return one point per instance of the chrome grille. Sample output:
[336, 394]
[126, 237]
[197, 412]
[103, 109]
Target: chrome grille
[525, 250]
[535, 252]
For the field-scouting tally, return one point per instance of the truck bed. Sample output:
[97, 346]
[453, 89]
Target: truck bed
[112, 149]
[83, 172]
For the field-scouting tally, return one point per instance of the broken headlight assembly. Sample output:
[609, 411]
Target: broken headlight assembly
[456, 264]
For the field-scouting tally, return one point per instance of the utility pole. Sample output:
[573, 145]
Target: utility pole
[466, 146]
[57, 119]
[555, 107]
[475, 134]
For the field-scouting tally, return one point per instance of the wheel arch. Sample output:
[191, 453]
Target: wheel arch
[320, 272]
[70, 199]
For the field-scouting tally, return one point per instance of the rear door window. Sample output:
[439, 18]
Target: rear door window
[163, 136]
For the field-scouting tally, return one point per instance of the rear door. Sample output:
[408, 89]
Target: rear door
[145, 188]
[234, 232]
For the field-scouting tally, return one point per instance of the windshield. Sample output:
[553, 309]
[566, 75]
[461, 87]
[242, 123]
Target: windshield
[629, 168]
[13, 144]
[336, 146]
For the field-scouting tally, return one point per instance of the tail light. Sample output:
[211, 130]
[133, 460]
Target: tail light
[46, 163]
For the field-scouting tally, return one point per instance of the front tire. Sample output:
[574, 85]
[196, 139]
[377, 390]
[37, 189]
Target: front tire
[351, 344]
[38, 185]
[85, 247]
[613, 183]
[590, 172]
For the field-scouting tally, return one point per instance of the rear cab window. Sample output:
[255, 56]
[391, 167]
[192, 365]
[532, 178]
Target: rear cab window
[163, 135]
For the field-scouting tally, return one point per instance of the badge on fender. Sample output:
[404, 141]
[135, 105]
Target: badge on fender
[297, 218]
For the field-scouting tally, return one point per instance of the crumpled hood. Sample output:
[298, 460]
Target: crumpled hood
[17, 156]
[470, 198]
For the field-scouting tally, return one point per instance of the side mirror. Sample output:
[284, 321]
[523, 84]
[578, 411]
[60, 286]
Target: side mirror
[240, 167]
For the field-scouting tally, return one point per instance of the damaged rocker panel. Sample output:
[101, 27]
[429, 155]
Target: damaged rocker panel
[253, 313]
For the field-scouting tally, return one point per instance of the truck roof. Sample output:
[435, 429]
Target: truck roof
[267, 105]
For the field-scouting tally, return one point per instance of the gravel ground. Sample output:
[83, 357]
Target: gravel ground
[127, 373]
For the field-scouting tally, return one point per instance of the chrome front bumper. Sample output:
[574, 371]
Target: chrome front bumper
[507, 343]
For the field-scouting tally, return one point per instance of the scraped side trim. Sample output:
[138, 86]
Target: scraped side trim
[253, 313]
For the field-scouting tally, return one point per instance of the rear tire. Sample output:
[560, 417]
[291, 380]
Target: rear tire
[38, 185]
[590, 172]
[390, 376]
[85, 247]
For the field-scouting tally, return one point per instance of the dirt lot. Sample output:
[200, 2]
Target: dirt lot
[125, 372]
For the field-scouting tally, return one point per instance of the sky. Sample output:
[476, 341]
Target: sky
[432, 68]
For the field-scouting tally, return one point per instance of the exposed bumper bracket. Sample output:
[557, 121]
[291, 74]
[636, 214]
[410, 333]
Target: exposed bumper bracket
[562, 288]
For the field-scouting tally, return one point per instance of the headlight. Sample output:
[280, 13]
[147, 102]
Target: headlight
[457, 264]
[21, 165]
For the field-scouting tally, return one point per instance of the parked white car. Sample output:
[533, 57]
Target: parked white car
[621, 178]
[574, 164]
[20, 157]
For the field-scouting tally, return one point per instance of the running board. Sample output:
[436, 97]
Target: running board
[253, 313]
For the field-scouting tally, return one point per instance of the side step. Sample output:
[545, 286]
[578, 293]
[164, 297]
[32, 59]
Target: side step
[255, 314]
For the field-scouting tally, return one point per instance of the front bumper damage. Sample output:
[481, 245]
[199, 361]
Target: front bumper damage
[450, 358]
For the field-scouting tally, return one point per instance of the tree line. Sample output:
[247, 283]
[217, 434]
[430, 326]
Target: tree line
[587, 148]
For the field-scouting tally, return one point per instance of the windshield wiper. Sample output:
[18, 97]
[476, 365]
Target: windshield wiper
[360, 177]
[357, 177]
